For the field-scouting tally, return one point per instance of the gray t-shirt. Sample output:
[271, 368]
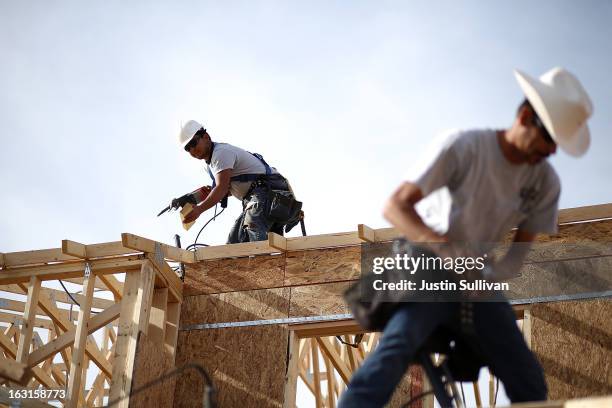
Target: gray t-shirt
[488, 195]
[226, 156]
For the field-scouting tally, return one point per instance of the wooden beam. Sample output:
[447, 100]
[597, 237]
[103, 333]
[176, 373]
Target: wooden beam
[59, 296]
[13, 371]
[587, 213]
[16, 306]
[173, 314]
[335, 359]
[329, 372]
[75, 249]
[277, 241]
[11, 350]
[1, 260]
[113, 285]
[14, 318]
[168, 278]
[70, 270]
[92, 350]
[366, 233]
[29, 315]
[234, 250]
[157, 319]
[147, 245]
[134, 318]
[314, 351]
[66, 339]
[80, 339]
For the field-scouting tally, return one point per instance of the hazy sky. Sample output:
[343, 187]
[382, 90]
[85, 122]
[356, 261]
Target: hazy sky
[341, 97]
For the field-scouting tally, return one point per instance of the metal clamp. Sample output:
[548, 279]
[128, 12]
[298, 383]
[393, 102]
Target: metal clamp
[87, 270]
[159, 254]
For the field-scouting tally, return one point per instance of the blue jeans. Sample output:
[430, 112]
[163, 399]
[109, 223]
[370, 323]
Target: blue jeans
[496, 336]
[254, 224]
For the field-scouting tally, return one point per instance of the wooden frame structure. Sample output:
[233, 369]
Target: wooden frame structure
[146, 296]
[115, 339]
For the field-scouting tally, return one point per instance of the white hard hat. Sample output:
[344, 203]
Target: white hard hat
[187, 132]
[563, 106]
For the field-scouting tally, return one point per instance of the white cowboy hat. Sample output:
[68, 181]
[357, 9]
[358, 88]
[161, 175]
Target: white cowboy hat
[188, 131]
[563, 105]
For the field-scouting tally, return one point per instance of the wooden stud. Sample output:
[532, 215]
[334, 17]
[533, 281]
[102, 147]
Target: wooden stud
[334, 357]
[477, 394]
[135, 307]
[74, 249]
[92, 350]
[68, 271]
[11, 350]
[1, 260]
[330, 382]
[292, 371]
[12, 370]
[157, 319]
[29, 315]
[60, 296]
[173, 315]
[527, 327]
[167, 278]
[366, 233]
[277, 241]
[68, 338]
[146, 245]
[113, 285]
[314, 352]
[80, 338]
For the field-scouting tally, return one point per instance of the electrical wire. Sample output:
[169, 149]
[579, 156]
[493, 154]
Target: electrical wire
[195, 244]
[69, 294]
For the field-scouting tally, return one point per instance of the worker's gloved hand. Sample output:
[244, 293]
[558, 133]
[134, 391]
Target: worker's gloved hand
[193, 215]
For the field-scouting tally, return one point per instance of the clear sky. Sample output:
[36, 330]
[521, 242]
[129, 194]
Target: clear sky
[341, 97]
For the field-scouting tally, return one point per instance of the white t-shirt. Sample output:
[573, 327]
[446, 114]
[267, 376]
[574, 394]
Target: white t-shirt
[225, 156]
[488, 195]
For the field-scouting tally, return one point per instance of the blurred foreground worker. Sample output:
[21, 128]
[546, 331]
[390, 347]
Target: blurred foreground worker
[268, 203]
[497, 180]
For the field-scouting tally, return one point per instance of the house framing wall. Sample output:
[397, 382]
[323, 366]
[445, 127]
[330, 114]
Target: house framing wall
[250, 366]
[305, 277]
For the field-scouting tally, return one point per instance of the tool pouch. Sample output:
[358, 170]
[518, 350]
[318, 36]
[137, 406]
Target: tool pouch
[283, 206]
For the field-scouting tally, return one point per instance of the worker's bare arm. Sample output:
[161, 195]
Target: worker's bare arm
[400, 212]
[215, 195]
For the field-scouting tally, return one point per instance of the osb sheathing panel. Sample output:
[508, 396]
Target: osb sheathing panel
[150, 363]
[228, 275]
[568, 277]
[318, 300]
[247, 365]
[323, 265]
[573, 341]
[235, 306]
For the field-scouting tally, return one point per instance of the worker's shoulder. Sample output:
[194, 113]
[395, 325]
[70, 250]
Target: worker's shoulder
[464, 141]
[548, 174]
[222, 148]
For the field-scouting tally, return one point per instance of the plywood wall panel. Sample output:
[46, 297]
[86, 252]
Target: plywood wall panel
[573, 341]
[247, 365]
[229, 275]
[151, 362]
[235, 306]
[322, 265]
[318, 300]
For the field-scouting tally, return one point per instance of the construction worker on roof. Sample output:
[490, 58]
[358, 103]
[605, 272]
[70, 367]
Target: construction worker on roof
[268, 203]
[496, 180]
